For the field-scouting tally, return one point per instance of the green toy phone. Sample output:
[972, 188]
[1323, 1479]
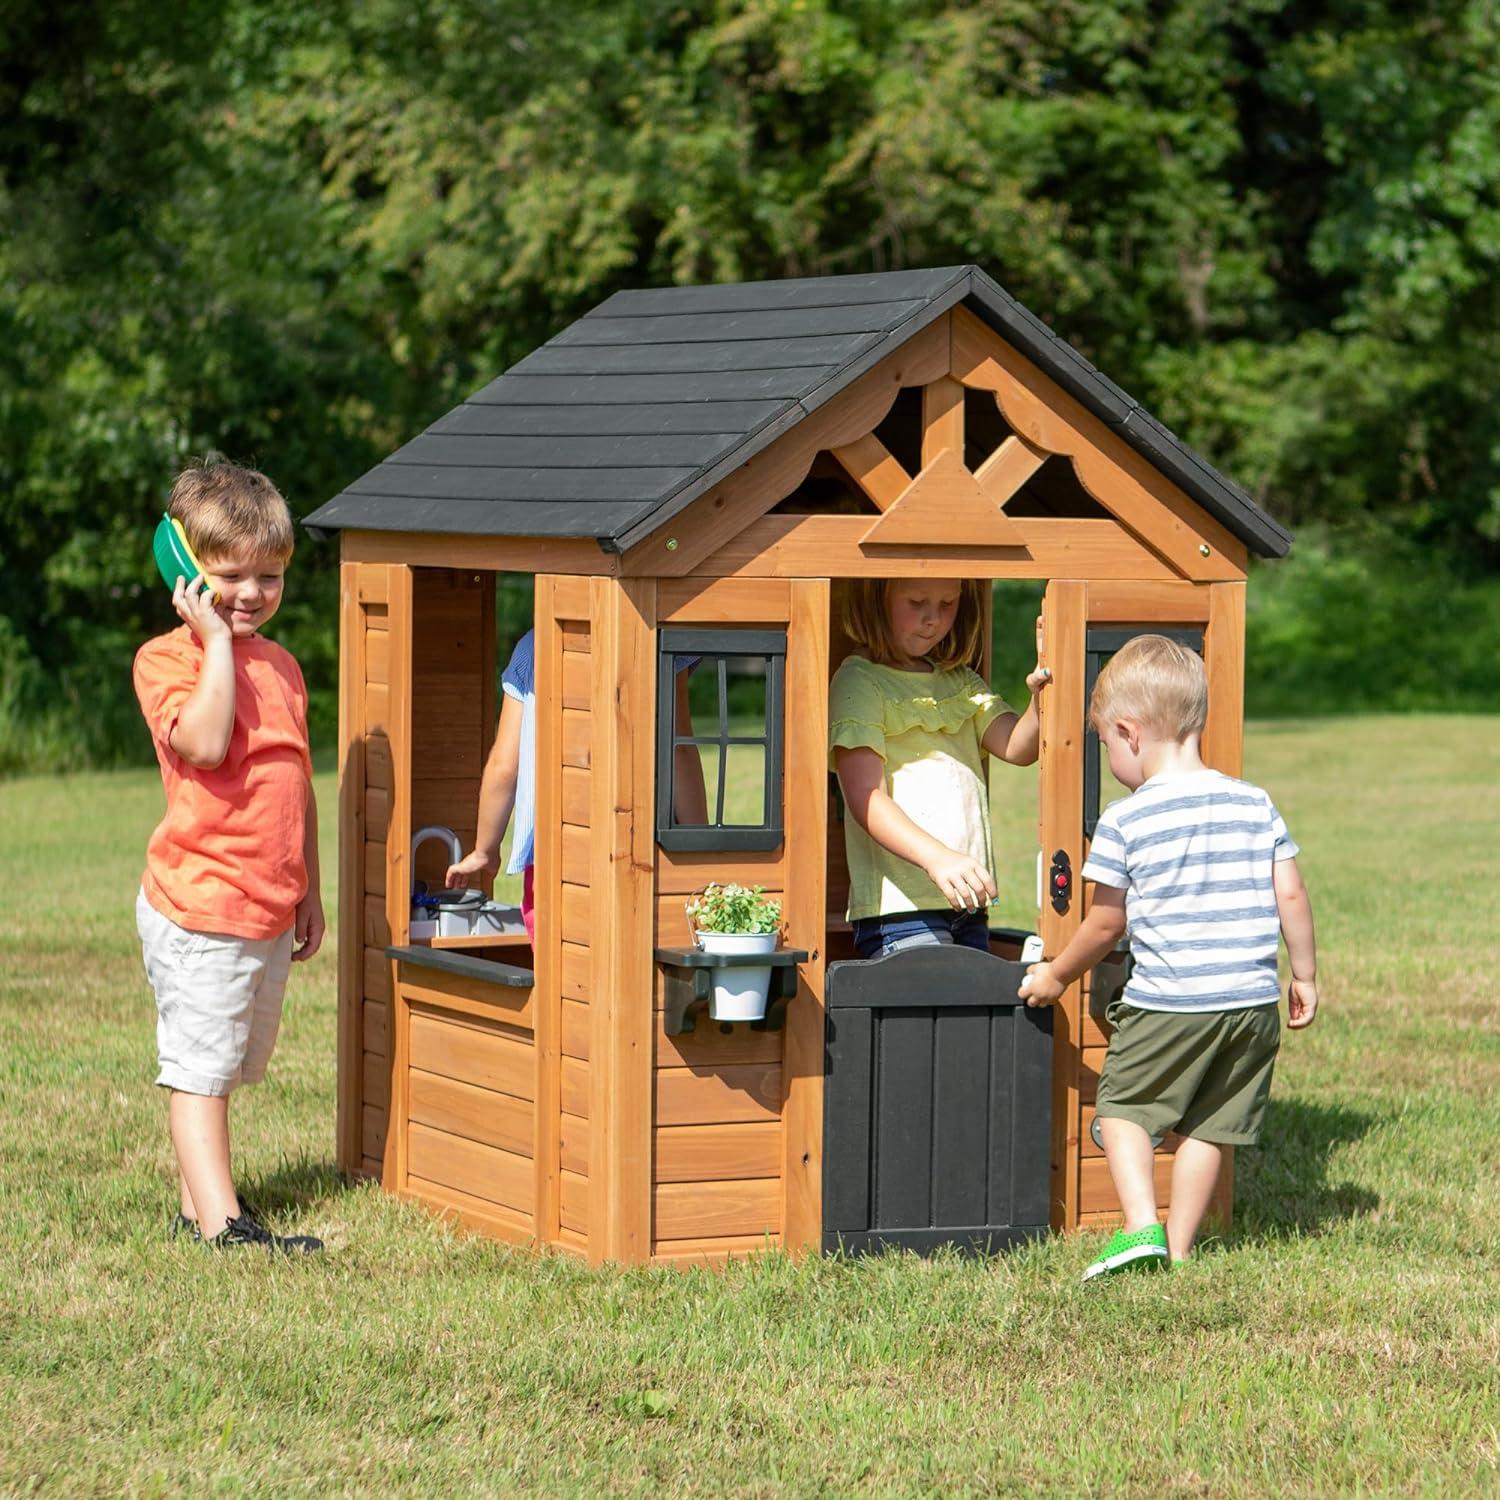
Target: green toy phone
[173, 555]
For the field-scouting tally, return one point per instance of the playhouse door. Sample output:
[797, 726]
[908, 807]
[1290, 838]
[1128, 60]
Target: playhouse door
[938, 1104]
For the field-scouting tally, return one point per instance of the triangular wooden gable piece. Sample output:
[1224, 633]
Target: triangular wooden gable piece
[1138, 495]
[944, 504]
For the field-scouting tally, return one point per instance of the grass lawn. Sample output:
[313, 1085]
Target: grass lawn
[1344, 1338]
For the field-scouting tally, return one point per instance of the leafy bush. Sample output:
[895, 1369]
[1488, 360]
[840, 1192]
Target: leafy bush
[1348, 623]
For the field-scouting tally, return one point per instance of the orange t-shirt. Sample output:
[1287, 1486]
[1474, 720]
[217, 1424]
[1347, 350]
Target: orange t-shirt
[228, 855]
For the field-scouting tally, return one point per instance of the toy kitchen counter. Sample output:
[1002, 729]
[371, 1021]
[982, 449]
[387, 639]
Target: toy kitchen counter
[462, 1117]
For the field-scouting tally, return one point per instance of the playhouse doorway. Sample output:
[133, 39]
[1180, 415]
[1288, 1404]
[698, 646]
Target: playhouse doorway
[1014, 791]
[938, 1089]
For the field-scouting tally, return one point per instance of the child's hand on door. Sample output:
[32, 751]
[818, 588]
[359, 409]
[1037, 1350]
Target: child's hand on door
[1040, 986]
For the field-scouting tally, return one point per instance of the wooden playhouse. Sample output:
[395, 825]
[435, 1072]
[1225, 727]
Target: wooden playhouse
[692, 474]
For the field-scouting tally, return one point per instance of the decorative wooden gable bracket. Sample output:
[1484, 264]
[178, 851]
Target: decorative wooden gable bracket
[945, 508]
[945, 503]
[1040, 412]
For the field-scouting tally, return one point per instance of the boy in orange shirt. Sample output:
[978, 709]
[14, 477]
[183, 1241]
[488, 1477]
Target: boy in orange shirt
[231, 878]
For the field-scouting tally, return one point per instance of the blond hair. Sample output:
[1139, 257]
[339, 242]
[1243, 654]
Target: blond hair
[867, 621]
[223, 507]
[1156, 682]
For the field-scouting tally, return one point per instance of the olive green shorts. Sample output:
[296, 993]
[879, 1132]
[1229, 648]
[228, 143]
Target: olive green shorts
[1205, 1074]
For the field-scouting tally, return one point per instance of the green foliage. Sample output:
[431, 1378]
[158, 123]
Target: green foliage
[734, 909]
[299, 233]
[1342, 626]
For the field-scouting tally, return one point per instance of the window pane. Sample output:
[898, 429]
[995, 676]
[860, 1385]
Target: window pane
[745, 786]
[745, 694]
[694, 780]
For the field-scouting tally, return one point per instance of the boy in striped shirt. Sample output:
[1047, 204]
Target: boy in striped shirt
[1201, 870]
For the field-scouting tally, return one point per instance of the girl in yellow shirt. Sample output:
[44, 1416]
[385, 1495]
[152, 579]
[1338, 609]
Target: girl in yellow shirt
[909, 720]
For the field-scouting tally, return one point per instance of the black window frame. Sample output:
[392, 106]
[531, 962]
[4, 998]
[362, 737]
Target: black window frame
[716, 645]
[1100, 643]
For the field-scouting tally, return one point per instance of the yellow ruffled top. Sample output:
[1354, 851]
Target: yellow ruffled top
[927, 727]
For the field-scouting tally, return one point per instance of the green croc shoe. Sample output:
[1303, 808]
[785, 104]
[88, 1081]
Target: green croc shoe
[1140, 1249]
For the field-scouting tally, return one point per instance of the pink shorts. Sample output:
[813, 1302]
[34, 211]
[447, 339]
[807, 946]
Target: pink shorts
[528, 901]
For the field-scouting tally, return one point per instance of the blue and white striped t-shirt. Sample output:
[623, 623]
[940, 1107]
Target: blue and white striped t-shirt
[1194, 854]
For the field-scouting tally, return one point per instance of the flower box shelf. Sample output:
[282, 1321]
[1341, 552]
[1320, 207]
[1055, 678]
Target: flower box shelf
[688, 983]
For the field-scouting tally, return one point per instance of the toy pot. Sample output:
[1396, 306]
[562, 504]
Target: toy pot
[457, 911]
[739, 991]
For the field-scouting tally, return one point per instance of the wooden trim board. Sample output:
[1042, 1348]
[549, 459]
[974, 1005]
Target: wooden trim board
[1064, 630]
[623, 616]
[351, 815]
[499, 554]
[782, 546]
[805, 914]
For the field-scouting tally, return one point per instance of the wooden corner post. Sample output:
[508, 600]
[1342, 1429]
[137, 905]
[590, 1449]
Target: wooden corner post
[622, 880]
[391, 710]
[806, 791]
[351, 887]
[1064, 634]
[374, 670]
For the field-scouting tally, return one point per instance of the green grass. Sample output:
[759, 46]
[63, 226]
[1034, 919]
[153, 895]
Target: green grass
[1344, 1338]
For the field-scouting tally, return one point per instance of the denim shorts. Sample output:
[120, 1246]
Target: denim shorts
[875, 937]
[218, 1002]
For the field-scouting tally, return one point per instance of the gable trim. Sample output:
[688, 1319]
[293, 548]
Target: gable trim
[1139, 496]
[928, 514]
[944, 501]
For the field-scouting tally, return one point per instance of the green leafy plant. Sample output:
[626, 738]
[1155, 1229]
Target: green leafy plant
[734, 909]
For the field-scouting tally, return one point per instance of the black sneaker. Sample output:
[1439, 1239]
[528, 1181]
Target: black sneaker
[184, 1227]
[246, 1231]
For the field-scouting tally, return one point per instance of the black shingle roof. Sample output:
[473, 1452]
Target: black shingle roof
[629, 414]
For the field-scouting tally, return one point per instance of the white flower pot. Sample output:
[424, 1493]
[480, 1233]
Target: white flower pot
[739, 993]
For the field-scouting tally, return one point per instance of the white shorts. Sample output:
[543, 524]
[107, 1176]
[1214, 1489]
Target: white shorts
[218, 1002]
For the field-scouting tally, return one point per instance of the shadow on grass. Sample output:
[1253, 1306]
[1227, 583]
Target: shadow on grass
[1281, 1186]
[297, 1185]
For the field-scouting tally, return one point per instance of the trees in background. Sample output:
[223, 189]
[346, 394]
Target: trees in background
[297, 233]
